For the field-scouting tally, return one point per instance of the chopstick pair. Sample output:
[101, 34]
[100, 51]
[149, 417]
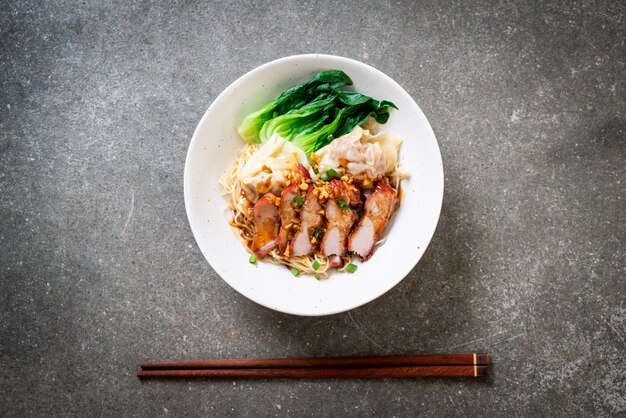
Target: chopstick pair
[422, 365]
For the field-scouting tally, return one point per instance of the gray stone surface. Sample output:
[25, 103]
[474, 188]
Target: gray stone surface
[99, 269]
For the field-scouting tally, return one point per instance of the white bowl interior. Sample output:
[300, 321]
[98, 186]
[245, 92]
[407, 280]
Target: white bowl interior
[213, 148]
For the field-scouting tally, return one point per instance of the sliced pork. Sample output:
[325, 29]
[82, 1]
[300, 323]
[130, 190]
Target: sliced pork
[335, 261]
[302, 172]
[310, 219]
[288, 215]
[378, 207]
[299, 175]
[266, 225]
[339, 218]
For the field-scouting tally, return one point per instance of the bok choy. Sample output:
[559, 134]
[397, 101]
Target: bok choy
[312, 114]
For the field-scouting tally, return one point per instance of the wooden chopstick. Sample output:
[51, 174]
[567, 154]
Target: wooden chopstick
[463, 359]
[321, 372]
[422, 365]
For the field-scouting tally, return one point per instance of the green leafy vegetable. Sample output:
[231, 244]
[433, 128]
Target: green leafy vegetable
[292, 98]
[312, 141]
[314, 113]
[296, 121]
[297, 96]
[252, 124]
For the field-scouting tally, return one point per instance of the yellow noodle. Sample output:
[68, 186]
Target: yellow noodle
[239, 215]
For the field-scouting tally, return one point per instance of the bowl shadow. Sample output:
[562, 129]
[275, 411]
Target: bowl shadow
[423, 313]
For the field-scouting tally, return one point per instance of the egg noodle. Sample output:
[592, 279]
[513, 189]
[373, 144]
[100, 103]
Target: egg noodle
[239, 215]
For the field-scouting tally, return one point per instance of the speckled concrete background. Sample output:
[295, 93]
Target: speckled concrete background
[99, 269]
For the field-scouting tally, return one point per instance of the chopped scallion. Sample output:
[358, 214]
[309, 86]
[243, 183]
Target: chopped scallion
[317, 233]
[351, 268]
[252, 259]
[299, 200]
[316, 265]
[328, 175]
[318, 277]
[343, 205]
[295, 271]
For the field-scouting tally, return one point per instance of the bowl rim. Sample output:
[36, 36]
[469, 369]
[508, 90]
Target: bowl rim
[250, 74]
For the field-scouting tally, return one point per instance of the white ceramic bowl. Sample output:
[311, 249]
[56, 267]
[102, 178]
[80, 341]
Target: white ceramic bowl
[213, 148]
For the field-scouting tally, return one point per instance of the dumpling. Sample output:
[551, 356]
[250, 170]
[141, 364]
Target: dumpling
[264, 172]
[361, 154]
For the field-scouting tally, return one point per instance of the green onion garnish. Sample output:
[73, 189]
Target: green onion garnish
[351, 268]
[295, 271]
[343, 205]
[328, 175]
[318, 277]
[252, 259]
[299, 200]
[316, 265]
[317, 233]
